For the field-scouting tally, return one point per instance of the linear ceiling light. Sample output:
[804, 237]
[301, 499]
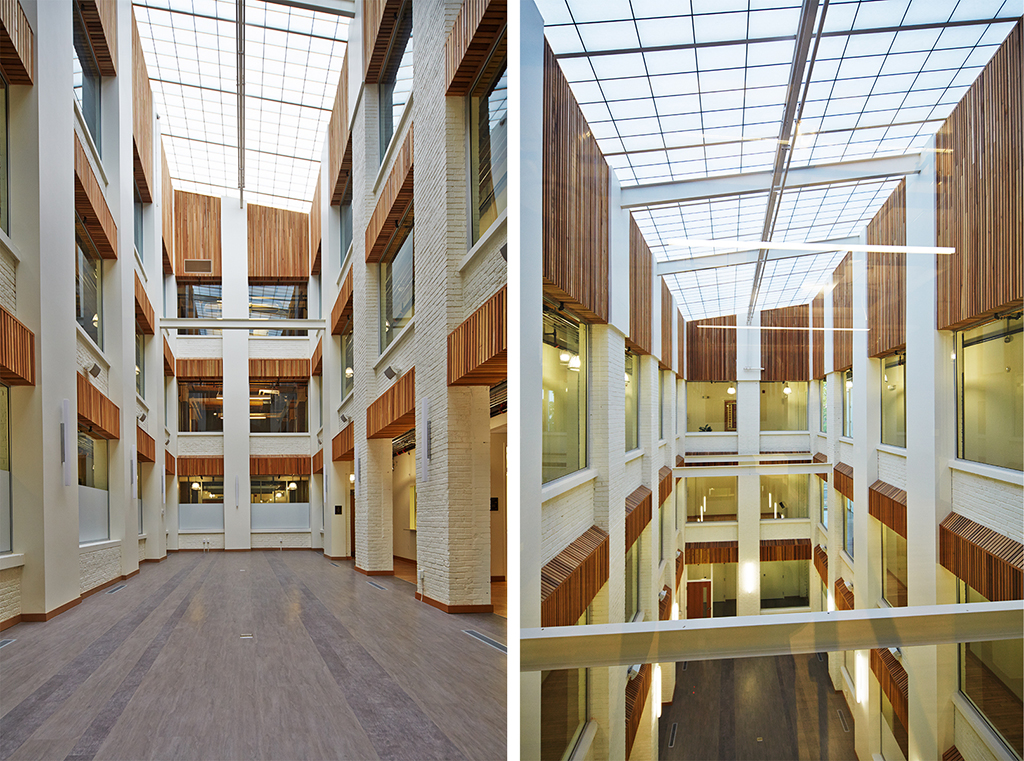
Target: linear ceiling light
[776, 327]
[753, 245]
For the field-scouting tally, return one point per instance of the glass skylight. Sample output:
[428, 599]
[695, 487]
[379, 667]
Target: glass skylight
[293, 61]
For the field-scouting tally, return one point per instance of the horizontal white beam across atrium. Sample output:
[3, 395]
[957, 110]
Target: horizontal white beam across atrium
[337, 7]
[734, 258]
[657, 194]
[188, 323]
[752, 458]
[708, 639]
[752, 469]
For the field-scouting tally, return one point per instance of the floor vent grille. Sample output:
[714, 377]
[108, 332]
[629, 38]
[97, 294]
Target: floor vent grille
[672, 735]
[118, 588]
[842, 720]
[375, 584]
[486, 640]
[820, 659]
[5, 642]
[684, 665]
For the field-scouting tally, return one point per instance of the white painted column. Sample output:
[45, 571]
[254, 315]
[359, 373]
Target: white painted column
[748, 488]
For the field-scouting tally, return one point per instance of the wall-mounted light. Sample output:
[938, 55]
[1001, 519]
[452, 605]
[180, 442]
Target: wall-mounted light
[390, 372]
[657, 690]
[564, 357]
[343, 419]
[95, 370]
[195, 486]
[731, 390]
[349, 372]
[142, 417]
[787, 390]
[351, 478]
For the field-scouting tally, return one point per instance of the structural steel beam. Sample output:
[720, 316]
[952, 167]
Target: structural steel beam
[337, 7]
[750, 458]
[188, 323]
[751, 469]
[734, 258]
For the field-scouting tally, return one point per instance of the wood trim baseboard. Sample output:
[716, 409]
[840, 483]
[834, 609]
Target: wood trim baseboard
[375, 573]
[40, 617]
[155, 560]
[101, 587]
[497, 578]
[454, 608]
[337, 557]
[8, 623]
[133, 573]
[407, 560]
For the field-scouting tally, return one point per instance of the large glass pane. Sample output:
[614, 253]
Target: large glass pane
[140, 364]
[279, 489]
[710, 406]
[785, 584]
[89, 290]
[711, 498]
[200, 406]
[397, 291]
[848, 526]
[661, 405]
[93, 499]
[990, 365]
[6, 526]
[784, 496]
[848, 404]
[632, 401]
[784, 406]
[824, 502]
[140, 235]
[278, 407]
[199, 301]
[488, 130]
[396, 78]
[198, 490]
[346, 231]
[87, 80]
[823, 422]
[564, 410]
[201, 503]
[894, 402]
[281, 301]
[665, 528]
[896, 726]
[632, 580]
[5, 198]
[563, 709]
[894, 568]
[280, 503]
[347, 364]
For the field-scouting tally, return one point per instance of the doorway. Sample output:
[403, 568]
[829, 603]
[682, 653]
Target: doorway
[698, 599]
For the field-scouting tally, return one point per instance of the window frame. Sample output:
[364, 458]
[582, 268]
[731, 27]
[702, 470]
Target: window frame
[95, 130]
[258, 385]
[140, 365]
[347, 348]
[184, 405]
[893, 360]
[405, 234]
[634, 360]
[5, 156]
[847, 378]
[583, 414]
[139, 222]
[501, 70]
[385, 97]
[85, 248]
[299, 303]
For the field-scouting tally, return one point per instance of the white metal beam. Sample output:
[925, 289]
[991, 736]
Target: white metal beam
[751, 469]
[706, 639]
[750, 458]
[337, 7]
[657, 194]
[734, 258]
[189, 323]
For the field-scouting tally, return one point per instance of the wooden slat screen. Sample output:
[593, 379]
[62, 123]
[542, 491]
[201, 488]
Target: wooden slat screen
[393, 412]
[17, 44]
[818, 336]
[201, 466]
[343, 446]
[477, 28]
[821, 457]
[318, 462]
[339, 139]
[17, 351]
[785, 354]
[636, 700]
[196, 233]
[844, 596]
[394, 201]
[665, 604]
[785, 549]
[888, 504]
[92, 207]
[668, 309]
[477, 353]
[821, 563]
[100, 18]
[170, 466]
[315, 231]
[641, 292]
[680, 344]
[842, 479]
[680, 566]
[280, 465]
[145, 319]
[638, 514]
[711, 352]
[145, 445]
[665, 484]
[379, 17]
[570, 581]
[952, 754]
[887, 276]
[842, 315]
[278, 245]
[575, 202]
[700, 553]
[169, 364]
[279, 369]
[892, 678]
[142, 119]
[96, 413]
[979, 192]
[341, 314]
[987, 561]
[317, 360]
[199, 369]
[166, 213]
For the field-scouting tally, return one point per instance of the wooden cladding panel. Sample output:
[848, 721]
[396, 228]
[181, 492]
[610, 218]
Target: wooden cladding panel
[665, 604]
[785, 354]
[785, 549]
[316, 362]
[17, 44]
[641, 292]
[339, 156]
[888, 504]
[96, 413]
[145, 319]
[887, 276]
[820, 560]
[980, 194]
[190, 369]
[842, 479]
[818, 336]
[201, 466]
[92, 207]
[699, 553]
[379, 19]
[821, 457]
[680, 566]
[170, 466]
[100, 18]
[842, 315]
[17, 351]
[315, 231]
[680, 344]
[278, 245]
[280, 465]
[169, 364]
[636, 699]
[668, 309]
[638, 514]
[844, 596]
[317, 465]
[294, 369]
[394, 200]
[166, 213]
[196, 233]
[570, 581]
[952, 754]
[892, 678]
[711, 352]
[145, 445]
[574, 202]
[343, 446]
[393, 412]
[142, 118]
[341, 314]
[665, 484]
[476, 30]
[477, 349]
[986, 560]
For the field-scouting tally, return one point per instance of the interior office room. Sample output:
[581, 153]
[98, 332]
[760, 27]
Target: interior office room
[254, 409]
[771, 299]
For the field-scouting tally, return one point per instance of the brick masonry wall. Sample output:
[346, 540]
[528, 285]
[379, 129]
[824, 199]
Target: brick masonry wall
[142, 550]
[98, 566]
[10, 593]
[87, 357]
[8, 282]
[209, 347]
[195, 541]
[282, 348]
[278, 444]
[487, 272]
[892, 469]
[967, 740]
[564, 518]
[992, 503]
[211, 445]
[276, 541]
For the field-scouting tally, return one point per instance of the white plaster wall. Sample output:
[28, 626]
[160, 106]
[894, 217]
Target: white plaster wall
[10, 593]
[786, 529]
[722, 442]
[142, 549]
[845, 450]
[711, 531]
[98, 566]
[634, 473]
[789, 442]
[994, 504]
[262, 541]
[564, 518]
[892, 469]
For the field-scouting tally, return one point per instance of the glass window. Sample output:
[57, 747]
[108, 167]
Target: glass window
[894, 568]
[346, 230]
[784, 406]
[632, 581]
[6, 523]
[397, 290]
[138, 493]
[784, 496]
[563, 708]
[348, 380]
[93, 499]
[5, 199]
[280, 301]
[199, 301]
[894, 402]
[665, 528]
[824, 502]
[848, 526]
[396, 78]
[632, 401]
[201, 406]
[87, 80]
[197, 490]
[278, 407]
[711, 498]
[848, 404]
[895, 724]
[140, 235]
[564, 426]
[488, 134]
[710, 406]
[661, 405]
[140, 364]
[992, 678]
[785, 584]
[279, 489]
[823, 393]
[89, 289]
[990, 375]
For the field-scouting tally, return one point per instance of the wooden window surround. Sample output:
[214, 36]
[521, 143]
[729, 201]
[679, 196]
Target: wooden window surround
[196, 236]
[280, 465]
[97, 415]
[199, 369]
[201, 466]
[340, 141]
[887, 276]
[785, 549]
[892, 678]
[341, 314]
[393, 412]
[665, 604]
[170, 466]
[984, 559]
[478, 28]
[641, 292]
[379, 21]
[17, 44]
[636, 699]
[821, 563]
[317, 360]
[394, 204]
[343, 446]
[91, 206]
[145, 320]
[680, 566]
[785, 353]
[100, 18]
[145, 445]
[291, 370]
[680, 345]
[638, 514]
[17, 351]
[842, 479]
[142, 118]
[668, 308]
[664, 484]
[166, 214]
[818, 336]
[477, 348]
[843, 596]
[821, 457]
[711, 353]
[315, 231]
[318, 462]
[169, 363]
[278, 245]
[570, 581]
[702, 553]
[842, 315]
[888, 504]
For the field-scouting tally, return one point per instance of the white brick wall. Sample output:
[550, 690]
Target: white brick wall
[791, 442]
[8, 282]
[205, 444]
[564, 518]
[710, 531]
[892, 469]
[485, 274]
[87, 357]
[284, 347]
[98, 566]
[195, 541]
[995, 504]
[634, 473]
[786, 529]
[10, 593]
[967, 740]
[282, 444]
[723, 442]
[845, 450]
[196, 347]
[276, 541]
[142, 550]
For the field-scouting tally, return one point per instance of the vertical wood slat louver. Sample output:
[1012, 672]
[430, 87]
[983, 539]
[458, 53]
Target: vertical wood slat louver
[785, 354]
[570, 581]
[842, 315]
[887, 276]
[711, 351]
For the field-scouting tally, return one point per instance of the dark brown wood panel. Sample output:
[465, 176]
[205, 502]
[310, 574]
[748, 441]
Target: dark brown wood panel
[842, 315]
[395, 199]
[97, 415]
[888, 504]
[701, 553]
[668, 310]
[92, 207]
[393, 412]
[821, 457]
[169, 364]
[711, 352]
[680, 344]
[821, 563]
[986, 560]
[952, 754]
[892, 678]
[638, 514]
[665, 604]
[145, 445]
[278, 245]
[570, 581]
[379, 18]
[341, 314]
[785, 549]
[166, 213]
[318, 462]
[142, 119]
[477, 348]
[170, 465]
[317, 360]
[844, 596]
[680, 566]
[145, 319]
[980, 195]
[641, 292]
[887, 276]
[636, 699]
[575, 202]
[17, 351]
[17, 44]
[280, 465]
[477, 29]
[199, 369]
[279, 369]
[196, 234]
[315, 231]
[343, 446]
[339, 140]
[665, 484]
[785, 344]
[818, 336]
[842, 479]
[201, 466]
[100, 18]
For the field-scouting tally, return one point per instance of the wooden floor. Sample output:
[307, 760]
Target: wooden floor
[336, 668]
[756, 709]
